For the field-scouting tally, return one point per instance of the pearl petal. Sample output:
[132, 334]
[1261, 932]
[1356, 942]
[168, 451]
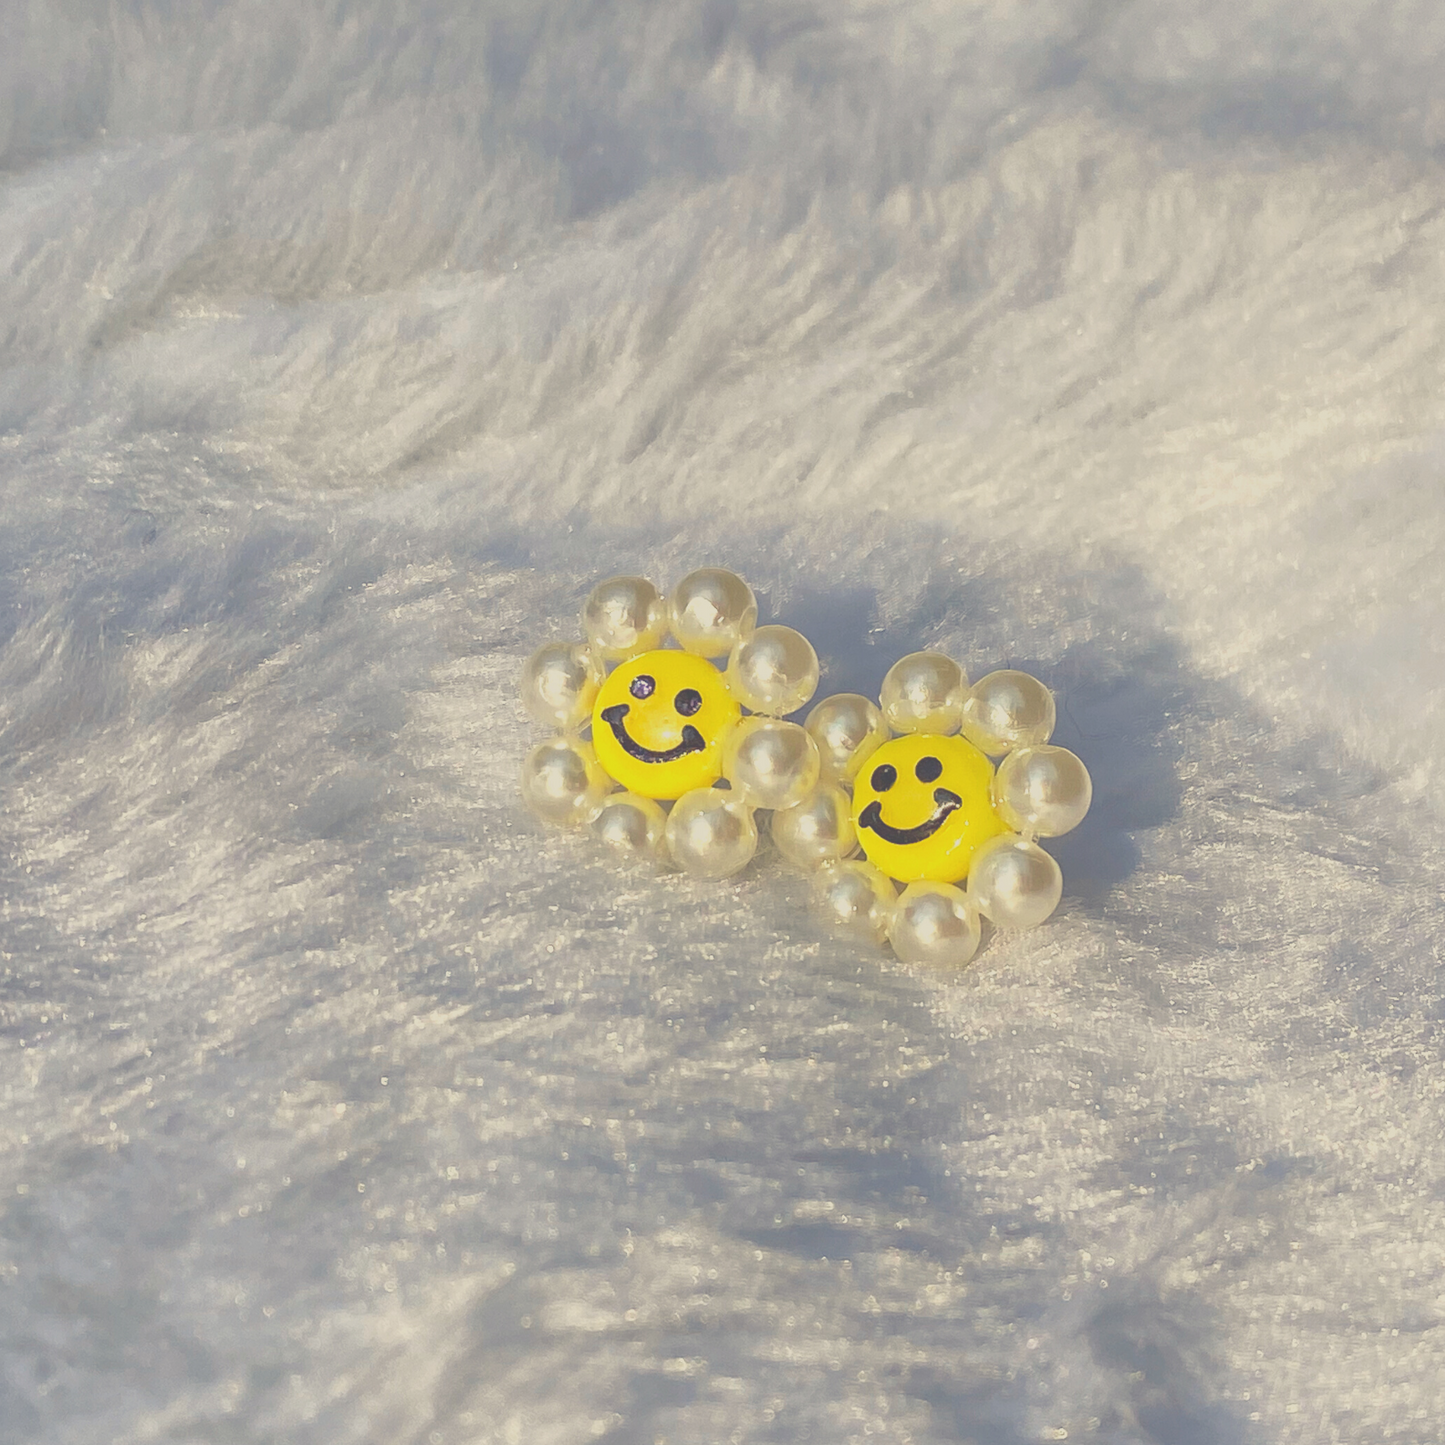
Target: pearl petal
[1014, 883]
[631, 825]
[559, 683]
[934, 923]
[711, 611]
[711, 833]
[847, 727]
[770, 764]
[1008, 709]
[923, 693]
[624, 616]
[774, 671]
[817, 830]
[1044, 790]
[854, 899]
[563, 783]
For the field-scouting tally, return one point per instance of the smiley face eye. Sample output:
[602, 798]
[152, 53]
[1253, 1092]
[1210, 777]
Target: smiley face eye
[927, 769]
[884, 778]
[688, 701]
[643, 686]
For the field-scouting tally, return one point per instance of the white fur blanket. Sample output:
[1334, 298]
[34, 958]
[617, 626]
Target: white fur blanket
[343, 346]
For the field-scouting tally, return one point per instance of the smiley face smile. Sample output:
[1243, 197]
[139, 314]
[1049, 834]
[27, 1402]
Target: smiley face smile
[692, 740]
[872, 817]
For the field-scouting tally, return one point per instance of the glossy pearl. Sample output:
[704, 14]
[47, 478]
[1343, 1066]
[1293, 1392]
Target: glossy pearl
[934, 923]
[923, 693]
[847, 727]
[770, 764]
[1014, 883]
[629, 824]
[1007, 710]
[817, 830]
[854, 899]
[711, 611]
[1044, 790]
[774, 671]
[711, 833]
[559, 683]
[624, 616]
[563, 783]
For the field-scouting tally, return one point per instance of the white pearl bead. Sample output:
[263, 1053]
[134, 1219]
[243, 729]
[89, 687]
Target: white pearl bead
[630, 824]
[1008, 709]
[770, 764]
[923, 693]
[624, 616]
[854, 899]
[711, 833]
[774, 671]
[711, 611]
[559, 684]
[934, 923]
[1014, 883]
[817, 830]
[1042, 790]
[563, 783]
[847, 727]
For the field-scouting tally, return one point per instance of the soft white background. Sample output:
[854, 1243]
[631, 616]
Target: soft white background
[343, 346]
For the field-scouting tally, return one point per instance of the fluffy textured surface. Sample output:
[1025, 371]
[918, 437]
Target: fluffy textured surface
[344, 346]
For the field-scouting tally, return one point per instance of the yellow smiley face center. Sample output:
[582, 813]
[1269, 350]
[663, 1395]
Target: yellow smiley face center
[922, 805]
[659, 721]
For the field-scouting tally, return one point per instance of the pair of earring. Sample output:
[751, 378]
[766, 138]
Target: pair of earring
[908, 780]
